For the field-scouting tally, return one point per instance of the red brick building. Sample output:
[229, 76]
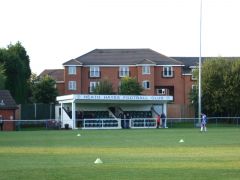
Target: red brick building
[8, 108]
[157, 73]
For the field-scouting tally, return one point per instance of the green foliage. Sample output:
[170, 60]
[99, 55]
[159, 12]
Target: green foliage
[2, 77]
[17, 71]
[32, 82]
[193, 98]
[130, 86]
[220, 87]
[44, 90]
[104, 87]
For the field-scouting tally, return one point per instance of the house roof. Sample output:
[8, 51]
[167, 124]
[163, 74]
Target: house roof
[146, 61]
[189, 61]
[56, 74]
[6, 100]
[193, 61]
[122, 57]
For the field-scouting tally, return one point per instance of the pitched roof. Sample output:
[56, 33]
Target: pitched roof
[146, 61]
[73, 62]
[6, 100]
[56, 74]
[193, 61]
[122, 57]
[188, 61]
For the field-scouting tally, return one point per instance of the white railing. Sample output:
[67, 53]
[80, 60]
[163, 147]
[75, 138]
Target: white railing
[143, 123]
[105, 123]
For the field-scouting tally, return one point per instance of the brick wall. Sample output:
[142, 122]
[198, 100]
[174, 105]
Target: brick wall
[61, 88]
[73, 77]
[8, 125]
[180, 84]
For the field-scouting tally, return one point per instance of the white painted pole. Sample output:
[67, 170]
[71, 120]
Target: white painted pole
[165, 112]
[200, 69]
[62, 115]
[73, 115]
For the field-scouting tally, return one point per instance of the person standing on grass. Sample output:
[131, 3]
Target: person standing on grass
[1, 122]
[203, 122]
[163, 118]
[158, 121]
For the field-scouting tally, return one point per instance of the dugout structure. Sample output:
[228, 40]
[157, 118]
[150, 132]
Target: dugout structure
[110, 111]
[8, 108]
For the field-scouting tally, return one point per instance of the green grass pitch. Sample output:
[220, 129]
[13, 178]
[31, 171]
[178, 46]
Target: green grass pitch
[126, 154]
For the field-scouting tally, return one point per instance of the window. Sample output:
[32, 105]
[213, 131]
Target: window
[123, 71]
[161, 91]
[146, 70]
[94, 71]
[194, 74]
[146, 84]
[92, 86]
[72, 85]
[71, 69]
[167, 71]
[194, 87]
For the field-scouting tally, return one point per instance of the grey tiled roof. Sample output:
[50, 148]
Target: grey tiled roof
[193, 61]
[122, 57]
[188, 61]
[6, 100]
[146, 61]
[73, 62]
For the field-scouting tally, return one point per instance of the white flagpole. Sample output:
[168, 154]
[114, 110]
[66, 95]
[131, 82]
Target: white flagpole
[200, 69]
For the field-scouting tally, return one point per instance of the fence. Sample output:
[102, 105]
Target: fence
[211, 122]
[18, 125]
[51, 124]
[37, 111]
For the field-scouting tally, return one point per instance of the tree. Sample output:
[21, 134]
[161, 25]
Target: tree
[44, 90]
[104, 87]
[130, 86]
[17, 71]
[220, 87]
[2, 77]
[34, 79]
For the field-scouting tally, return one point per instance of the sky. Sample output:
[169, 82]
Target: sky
[55, 31]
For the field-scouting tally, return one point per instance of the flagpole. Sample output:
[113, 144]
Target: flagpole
[200, 69]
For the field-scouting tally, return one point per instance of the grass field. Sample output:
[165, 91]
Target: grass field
[126, 154]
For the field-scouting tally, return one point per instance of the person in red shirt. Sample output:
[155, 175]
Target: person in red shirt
[158, 121]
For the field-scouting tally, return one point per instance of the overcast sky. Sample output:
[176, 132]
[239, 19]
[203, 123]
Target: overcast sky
[55, 31]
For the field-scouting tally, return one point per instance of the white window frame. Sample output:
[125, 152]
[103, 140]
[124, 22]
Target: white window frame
[72, 85]
[146, 84]
[163, 91]
[193, 77]
[94, 71]
[146, 70]
[194, 87]
[92, 85]
[167, 71]
[123, 71]
[72, 70]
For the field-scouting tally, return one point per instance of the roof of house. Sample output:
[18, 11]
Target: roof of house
[6, 100]
[188, 61]
[122, 57]
[56, 74]
[194, 61]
